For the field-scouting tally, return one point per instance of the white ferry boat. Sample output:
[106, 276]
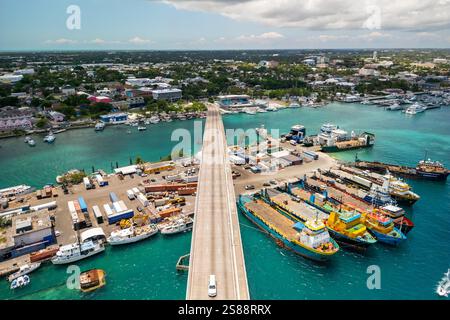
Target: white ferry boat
[177, 226]
[91, 243]
[132, 234]
[415, 109]
[23, 270]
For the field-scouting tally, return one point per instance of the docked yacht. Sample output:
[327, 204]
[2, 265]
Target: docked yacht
[49, 138]
[23, 270]
[91, 242]
[271, 108]
[154, 119]
[415, 108]
[132, 234]
[177, 226]
[249, 111]
[99, 126]
[294, 105]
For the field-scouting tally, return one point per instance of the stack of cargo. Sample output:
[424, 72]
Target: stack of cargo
[100, 181]
[131, 194]
[98, 214]
[78, 218]
[169, 212]
[119, 210]
[142, 199]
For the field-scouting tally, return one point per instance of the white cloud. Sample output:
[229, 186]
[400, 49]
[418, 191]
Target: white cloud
[267, 36]
[61, 41]
[415, 15]
[138, 40]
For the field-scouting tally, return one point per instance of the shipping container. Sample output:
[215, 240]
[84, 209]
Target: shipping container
[117, 207]
[98, 214]
[311, 155]
[100, 180]
[87, 183]
[107, 209]
[131, 195]
[122, 205]
[161, 202]
[113, 197]
[142, 199]
[135, 190]
[120, 216]
[82, 203]
[49, 205]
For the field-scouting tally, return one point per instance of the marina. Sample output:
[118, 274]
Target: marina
[266, 250]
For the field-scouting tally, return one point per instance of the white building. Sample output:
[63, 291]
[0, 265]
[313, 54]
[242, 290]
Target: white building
[11, 78]
[167, 94]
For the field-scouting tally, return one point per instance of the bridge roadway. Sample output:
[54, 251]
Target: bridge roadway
[216, 246]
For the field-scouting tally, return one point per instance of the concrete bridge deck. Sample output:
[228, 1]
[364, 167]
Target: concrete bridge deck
[216, 247]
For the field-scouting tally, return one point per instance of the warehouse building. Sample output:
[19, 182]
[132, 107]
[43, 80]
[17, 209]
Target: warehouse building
[167, 94]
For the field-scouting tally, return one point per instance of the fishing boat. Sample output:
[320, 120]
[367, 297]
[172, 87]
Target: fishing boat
[443, 288]
[310, 239]
[24, 270]
[397, 214]
[415, 109]
[132, 234]
[382, 227]
[433, 170]
[50, 138]
[99, 126]
[180, 225]
[346, 228]
[92, 280]
[20, 282]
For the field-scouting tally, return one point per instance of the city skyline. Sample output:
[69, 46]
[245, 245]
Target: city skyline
[222, 25]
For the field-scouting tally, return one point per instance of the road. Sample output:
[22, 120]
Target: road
[216, 247]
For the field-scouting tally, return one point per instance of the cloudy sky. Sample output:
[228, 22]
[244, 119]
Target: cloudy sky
[223, 24]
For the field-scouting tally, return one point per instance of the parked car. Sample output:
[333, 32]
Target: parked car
[249, 187]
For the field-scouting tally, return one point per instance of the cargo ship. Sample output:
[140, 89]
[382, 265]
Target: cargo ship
[382, 227]
[333, 139]
[310, 240]
[425, 169]
[347, 229]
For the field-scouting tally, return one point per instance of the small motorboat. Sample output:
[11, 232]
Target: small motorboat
[92, 280]
[24, 270]
[20, 282]
[49, 138]
[27, 139]
[142, 128]
[31, 143]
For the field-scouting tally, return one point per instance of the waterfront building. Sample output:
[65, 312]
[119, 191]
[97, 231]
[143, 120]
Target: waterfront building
[114, 118]
[235, 101]
[100, 99]
[135, 102]
[16, 123]
[56, 116]
[167, 94]
[29, 232]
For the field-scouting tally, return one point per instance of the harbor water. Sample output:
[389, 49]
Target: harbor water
[146, 270]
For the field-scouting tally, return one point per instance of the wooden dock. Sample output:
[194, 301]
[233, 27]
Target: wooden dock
[181, 266]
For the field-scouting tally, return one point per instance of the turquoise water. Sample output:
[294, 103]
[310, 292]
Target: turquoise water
[147, 270]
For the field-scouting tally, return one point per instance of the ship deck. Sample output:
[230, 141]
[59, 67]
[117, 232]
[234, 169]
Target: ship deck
[273, 218]
[300, 209]
[340, 195]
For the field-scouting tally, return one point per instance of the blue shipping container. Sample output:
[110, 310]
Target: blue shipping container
[125, 215]
[83, 205]
[113, 197]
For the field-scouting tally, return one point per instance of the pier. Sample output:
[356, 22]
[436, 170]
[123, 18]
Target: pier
[216, 246]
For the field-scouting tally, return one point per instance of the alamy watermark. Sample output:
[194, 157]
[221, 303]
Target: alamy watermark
[73, 21]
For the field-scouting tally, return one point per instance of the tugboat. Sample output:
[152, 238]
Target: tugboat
[383, 228]
[92, 280]
[346, 228]
[432, 170]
